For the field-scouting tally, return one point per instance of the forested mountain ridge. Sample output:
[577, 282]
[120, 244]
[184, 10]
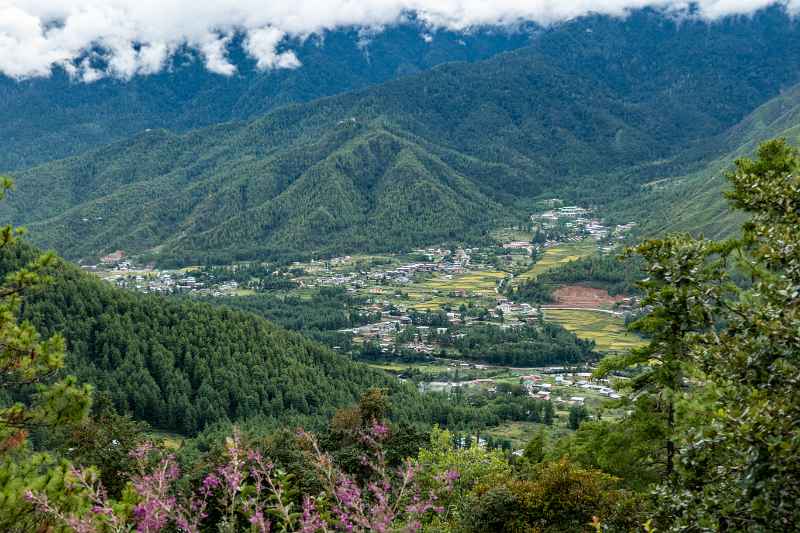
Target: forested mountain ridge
[433, 157]
[648, 55]
[694, 202]
[317, 170]
[334, 191]
[55, 117]
[184, 365]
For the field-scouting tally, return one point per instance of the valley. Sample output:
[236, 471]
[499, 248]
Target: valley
[442, 319]
[358, 266]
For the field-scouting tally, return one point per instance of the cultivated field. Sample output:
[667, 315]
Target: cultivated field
[557, 255]
[520, 433]
[510, 234]
[439, 290]
[606, 330]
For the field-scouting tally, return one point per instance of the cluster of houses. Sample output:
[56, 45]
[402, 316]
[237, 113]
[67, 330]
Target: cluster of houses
[385, 331]
[577, 219]
[560, 390]
[162, 282]
[449, 264]
[119, 271]
[537, 387]
[522, 312]
[578, 223]
[520, 245]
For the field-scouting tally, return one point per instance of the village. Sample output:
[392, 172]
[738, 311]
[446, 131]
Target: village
[462, 287]
[417, 307]
[564, 386]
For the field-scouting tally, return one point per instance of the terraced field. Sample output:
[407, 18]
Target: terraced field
[440, 290]
[606, 330]
[557, 255]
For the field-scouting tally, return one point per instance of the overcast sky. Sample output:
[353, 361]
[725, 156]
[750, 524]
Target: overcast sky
[138, 36]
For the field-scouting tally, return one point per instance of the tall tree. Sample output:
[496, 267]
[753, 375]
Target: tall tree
[741, 467]
[30, 395]
[679, 312]
[736, 347]
[27, 360]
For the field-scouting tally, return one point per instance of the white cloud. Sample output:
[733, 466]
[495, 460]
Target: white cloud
[138, 36]
[262, 44]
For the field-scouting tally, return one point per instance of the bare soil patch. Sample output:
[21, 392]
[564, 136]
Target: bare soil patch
[581, 296]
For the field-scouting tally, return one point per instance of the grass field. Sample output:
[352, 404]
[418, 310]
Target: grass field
[558, 255]
[606, 330]
[483, 283]
[439, 290]
[422, 367]
[510, 234]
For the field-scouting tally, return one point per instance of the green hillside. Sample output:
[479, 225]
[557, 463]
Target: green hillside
[694, 202]
[441, 156]
[55, 117]
[184, 365]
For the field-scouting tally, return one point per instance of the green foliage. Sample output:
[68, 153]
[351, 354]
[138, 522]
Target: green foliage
[474, 465]
[735, 465]
[30, 397]
[577, 414]
[103, 440]
[23, 470]
[742, 471]
[678, 315]
[318, 317]
[543, 344]
[617, 276]
[532, 290]
[631, 449]
[534, 450]
[553, 497]
[27, 361]
[693, 200]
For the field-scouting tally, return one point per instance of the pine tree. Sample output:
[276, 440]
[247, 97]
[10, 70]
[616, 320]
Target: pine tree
[28, 366]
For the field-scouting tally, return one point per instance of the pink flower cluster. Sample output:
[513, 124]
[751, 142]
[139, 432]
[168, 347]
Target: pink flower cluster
[251, 493]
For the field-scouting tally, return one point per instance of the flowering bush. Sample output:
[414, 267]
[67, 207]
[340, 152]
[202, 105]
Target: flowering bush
[248, 492]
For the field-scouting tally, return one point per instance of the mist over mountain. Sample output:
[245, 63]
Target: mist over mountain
[590, 109]
[51, 117]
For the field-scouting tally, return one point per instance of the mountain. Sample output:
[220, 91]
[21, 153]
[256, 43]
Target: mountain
[419, 160]
[591, 110]
[55, 117]
[694, 201]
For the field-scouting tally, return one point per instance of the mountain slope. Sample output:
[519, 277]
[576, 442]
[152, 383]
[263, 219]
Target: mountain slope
[182, 365]
[438, 156]
[646, 55]
[55, 117]
[694, 202]
[403, 161]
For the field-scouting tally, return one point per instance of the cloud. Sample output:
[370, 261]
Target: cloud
[92, 39]
[262, 44]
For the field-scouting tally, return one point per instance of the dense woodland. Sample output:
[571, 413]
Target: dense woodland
[540, 345]
[183, 365]
[319, 317]
[708, 440]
